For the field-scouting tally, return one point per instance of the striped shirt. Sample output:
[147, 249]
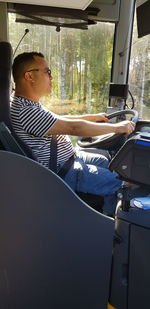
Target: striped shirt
[31, 122]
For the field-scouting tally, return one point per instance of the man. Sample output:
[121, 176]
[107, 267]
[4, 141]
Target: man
[36, 126]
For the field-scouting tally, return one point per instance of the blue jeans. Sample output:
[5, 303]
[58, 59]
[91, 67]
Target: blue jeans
[90, 174]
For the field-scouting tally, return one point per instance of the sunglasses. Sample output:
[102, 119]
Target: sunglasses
[48, 71]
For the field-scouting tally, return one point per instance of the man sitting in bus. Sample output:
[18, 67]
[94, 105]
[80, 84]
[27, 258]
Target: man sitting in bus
[39, 127]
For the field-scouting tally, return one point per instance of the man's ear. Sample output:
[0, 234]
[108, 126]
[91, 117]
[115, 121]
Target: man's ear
[28, 76]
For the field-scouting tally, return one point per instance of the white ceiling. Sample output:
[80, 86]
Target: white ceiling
[71, 4]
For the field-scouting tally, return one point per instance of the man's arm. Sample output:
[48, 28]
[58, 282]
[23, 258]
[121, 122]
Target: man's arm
[89, 117]
[87, 128]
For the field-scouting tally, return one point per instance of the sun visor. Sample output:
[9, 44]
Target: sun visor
[52, 16]
[143, 19]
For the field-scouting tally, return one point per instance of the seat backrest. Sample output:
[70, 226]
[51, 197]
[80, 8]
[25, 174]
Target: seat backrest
[8, 142]
[55, 250]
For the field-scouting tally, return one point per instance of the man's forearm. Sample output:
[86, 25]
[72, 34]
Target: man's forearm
[88, 117]
[86, 128]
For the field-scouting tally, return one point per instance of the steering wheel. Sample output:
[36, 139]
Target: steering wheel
[109, 141]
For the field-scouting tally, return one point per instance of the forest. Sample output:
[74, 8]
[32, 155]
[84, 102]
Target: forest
[139, 75]
[81, 62]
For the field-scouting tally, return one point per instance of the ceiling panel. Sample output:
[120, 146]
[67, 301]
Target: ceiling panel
[75, 4]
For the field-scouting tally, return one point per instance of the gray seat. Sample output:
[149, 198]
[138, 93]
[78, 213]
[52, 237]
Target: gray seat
[55, 250]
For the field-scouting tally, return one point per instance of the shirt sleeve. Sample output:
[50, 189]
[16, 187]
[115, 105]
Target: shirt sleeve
[36, 121]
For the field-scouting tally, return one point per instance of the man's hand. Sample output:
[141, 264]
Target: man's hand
[126, 127]
[101, 117]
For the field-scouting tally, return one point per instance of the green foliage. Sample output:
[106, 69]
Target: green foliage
[139, 74]
[80, 61]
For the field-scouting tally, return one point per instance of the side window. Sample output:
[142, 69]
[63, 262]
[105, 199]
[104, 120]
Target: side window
[139, 74]
[80, 61]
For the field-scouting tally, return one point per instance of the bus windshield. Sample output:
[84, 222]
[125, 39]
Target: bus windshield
[80, 61]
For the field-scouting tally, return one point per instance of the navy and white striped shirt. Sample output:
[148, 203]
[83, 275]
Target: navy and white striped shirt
[31, 122]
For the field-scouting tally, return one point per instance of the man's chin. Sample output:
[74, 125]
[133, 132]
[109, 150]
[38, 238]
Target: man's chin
[46, 93]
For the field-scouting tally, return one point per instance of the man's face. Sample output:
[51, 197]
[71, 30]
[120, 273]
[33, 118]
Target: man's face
[42, 77]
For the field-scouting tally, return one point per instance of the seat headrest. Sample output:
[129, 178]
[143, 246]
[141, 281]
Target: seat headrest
[5, 82]
[5, 56]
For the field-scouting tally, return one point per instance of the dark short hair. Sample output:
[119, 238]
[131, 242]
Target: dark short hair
[21, 61]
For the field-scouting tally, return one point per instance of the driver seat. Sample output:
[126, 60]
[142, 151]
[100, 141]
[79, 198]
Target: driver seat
[9, 140]
[53, 250]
